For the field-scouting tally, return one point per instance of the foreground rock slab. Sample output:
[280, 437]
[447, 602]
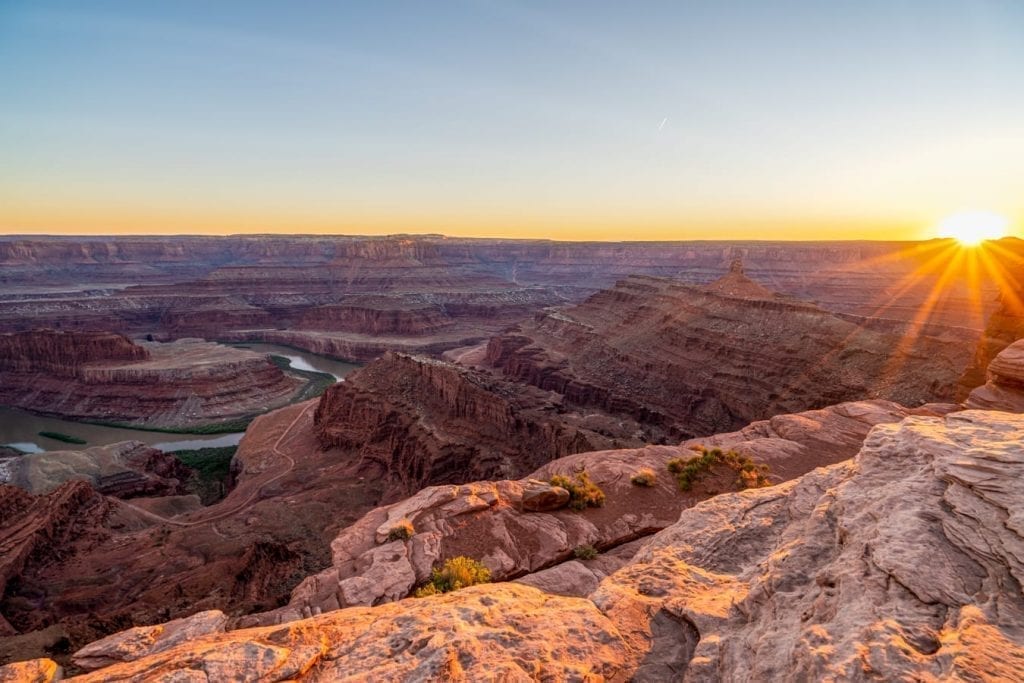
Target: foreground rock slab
[903, 564]
[146, 640]
[32, 671]
[499, 632]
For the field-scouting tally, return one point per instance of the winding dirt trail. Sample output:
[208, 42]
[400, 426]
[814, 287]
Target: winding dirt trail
[248, 500]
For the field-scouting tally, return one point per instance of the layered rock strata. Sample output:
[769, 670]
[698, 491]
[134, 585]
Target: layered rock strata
[724, 354]
[124, 470]
[1004, 389]
[429, 293]
[413, 421]
[493, 522]
[106, 377]
[893, 565]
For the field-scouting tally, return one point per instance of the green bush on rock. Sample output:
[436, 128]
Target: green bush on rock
[583, 493]
[457, 572]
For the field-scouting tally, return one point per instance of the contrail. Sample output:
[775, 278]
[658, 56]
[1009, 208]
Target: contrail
[663, 122]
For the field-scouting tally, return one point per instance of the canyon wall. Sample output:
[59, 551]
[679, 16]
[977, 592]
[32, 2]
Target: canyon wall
[431, 293]
[105, 377]
[414, 421]
[62, 354]
[687, 361]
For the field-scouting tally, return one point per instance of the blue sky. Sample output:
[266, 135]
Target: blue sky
[556, 119]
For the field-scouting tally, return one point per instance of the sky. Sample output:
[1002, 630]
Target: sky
[790, 119]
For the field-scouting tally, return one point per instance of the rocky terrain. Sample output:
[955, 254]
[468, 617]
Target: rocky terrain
[356, 297]
[125, 470]
[106, 377]
[1003, 263]
[724, 354]
[879, 567]
[495, 522]
[413, 421]
[296, 512]
[649, 361]
[498, 366]
[1004, 389]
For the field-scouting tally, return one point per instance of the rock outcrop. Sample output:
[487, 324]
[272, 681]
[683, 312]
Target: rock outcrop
[796, 443]
[724, 355]
[1006, 325]
[143, 641]
[497, 522]
[415, 421]
[1004, 389]
[63, 355]
[293, 504]
[904, 563]
[182, 384]
[37, 526]
[124, 470]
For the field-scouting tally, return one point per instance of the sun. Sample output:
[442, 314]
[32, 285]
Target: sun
[971, 228]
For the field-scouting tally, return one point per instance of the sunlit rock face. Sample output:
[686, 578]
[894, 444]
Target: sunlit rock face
[1004, 389]
[494, 522]
[1005, 325]
[686, 361]
[901, 564]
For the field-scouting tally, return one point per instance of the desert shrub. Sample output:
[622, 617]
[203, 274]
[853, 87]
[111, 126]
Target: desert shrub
[59, 436]
[584, 552]
[643, 477]
[688, 470]
[212, 466]
[457, 572]
[583, 493]
[402, 531]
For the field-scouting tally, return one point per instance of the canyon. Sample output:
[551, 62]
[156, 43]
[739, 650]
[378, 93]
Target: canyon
[106, 377]
[356, 297]
[811, 579]
[725, 354]
[492, 368]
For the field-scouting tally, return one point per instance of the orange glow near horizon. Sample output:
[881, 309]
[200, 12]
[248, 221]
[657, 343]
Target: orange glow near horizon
[72, 219]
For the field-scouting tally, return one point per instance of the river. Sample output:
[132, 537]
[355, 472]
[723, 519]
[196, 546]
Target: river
[20, 429]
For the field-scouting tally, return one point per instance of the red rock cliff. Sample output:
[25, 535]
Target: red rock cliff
[64, 353]
[420, 421]
[699, 360]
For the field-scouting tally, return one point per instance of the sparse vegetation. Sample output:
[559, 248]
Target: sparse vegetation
[457, 572]
[688, 471]
[584, 552]
[212, 466]
[583, 493]
[402, 531]
[66, 438]
[239, 424]
[644, 477]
